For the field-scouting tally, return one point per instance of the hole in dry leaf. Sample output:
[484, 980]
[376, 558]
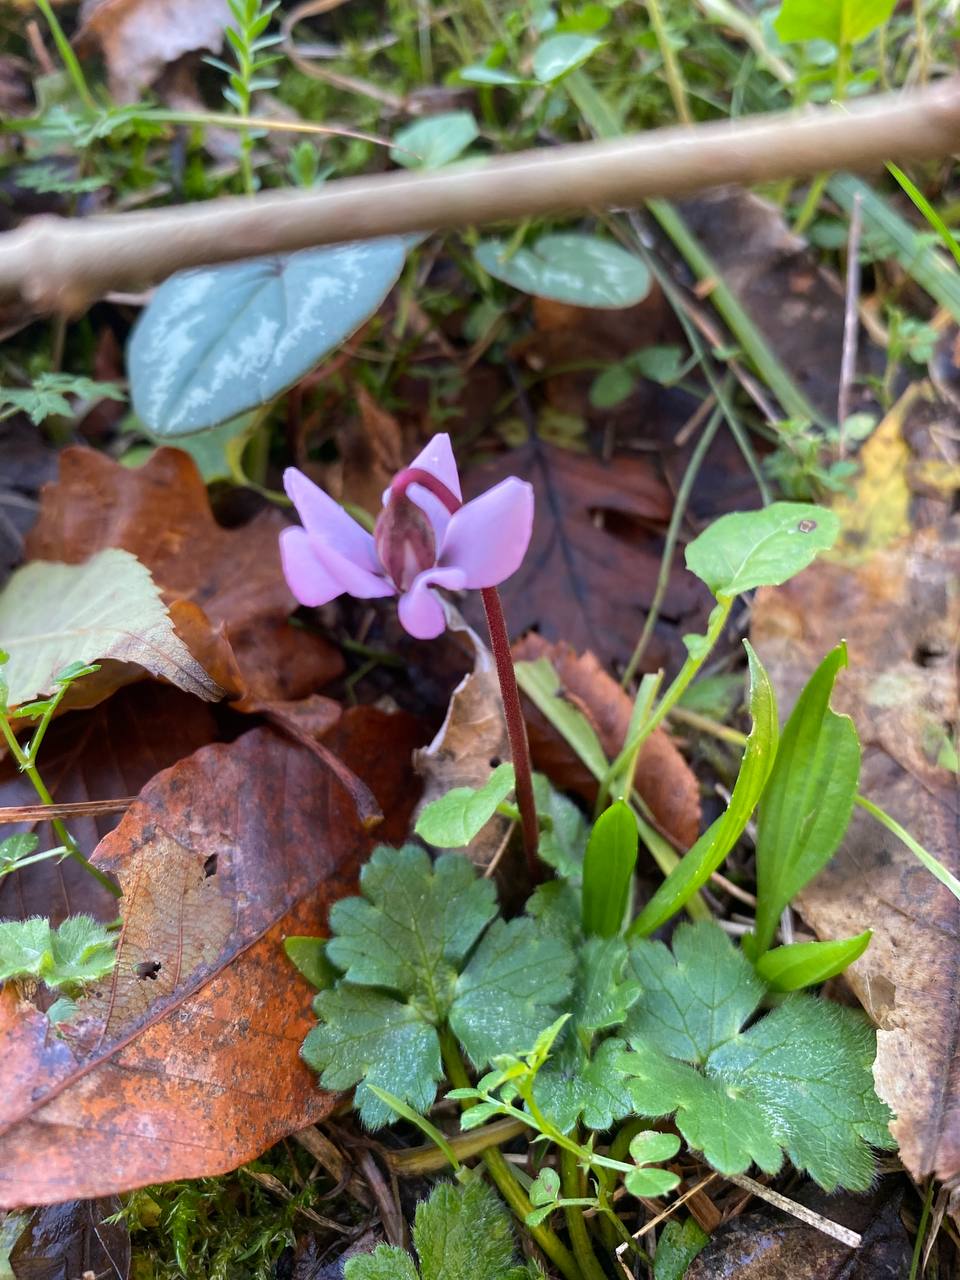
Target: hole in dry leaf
[495, 762]
[210, 866]
[148, 969]
[928, 655]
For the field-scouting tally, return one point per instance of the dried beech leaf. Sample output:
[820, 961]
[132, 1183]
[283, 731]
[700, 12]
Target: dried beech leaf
[185, 1063]
[107, 608]
[900, 614]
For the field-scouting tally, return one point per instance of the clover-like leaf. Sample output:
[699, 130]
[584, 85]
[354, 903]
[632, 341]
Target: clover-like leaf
[80, 951]
[509, 991]
[415, 921]
[798, 1080]
[364, 1035]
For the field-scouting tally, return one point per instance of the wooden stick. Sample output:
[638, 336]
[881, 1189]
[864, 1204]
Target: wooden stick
[59, 264]
[81, 809]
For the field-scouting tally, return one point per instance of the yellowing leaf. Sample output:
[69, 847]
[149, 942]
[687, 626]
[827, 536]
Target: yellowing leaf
[878, 512]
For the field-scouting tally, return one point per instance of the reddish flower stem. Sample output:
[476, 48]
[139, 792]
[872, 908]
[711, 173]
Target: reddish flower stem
[516, 730]
[509, 693]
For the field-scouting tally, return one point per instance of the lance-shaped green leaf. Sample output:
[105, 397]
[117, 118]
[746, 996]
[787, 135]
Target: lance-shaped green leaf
[218, 341]
[842, 22]
[608, 870]
[807, 802]
[806, 964]
[748, 549]
[699, 863]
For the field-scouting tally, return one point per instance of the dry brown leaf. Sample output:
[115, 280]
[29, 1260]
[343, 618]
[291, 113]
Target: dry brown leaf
[471, 741]
[371, 453]
[102, 754]
[663, 777]
[139, 38]
[185, 1062]
[900, 615]
[580, 581]
[76, 1239]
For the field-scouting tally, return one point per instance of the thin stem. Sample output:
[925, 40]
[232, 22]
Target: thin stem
[671, 66]
[921, 1232]
[673, 531]
[576, 1224]
[28, 767]
[65, 50]
[502, 1174]
[516, 730]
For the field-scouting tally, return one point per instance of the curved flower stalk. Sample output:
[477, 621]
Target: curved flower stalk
[426, 537]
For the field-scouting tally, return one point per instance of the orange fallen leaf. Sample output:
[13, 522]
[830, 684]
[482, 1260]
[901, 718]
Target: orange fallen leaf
[185, 1062]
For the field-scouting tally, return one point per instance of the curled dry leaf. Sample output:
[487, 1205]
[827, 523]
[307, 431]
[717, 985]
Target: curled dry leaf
[471, 742]
[107, 610]
[591, 570]
[900, 614]
[103, 754]
[663, 777]
[140, 37]
[185, 1062]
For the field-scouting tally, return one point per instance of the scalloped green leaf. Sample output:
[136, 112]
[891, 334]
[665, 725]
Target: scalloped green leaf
[217, 341]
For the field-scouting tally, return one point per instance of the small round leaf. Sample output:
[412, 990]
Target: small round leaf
[435, 141]
[560, 54]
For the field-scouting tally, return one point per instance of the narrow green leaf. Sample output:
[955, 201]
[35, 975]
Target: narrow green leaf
[453, 820]
[562, 53]
[608, 870]
[699, 863]
[584, 270]
[748, 549]
[540, 682]
[806, 806]
[805, 964]
[477, 73]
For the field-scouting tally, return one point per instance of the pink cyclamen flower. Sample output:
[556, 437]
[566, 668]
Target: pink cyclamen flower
[425, 537]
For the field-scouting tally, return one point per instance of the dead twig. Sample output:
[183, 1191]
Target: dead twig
[851, 320]
[63, 265]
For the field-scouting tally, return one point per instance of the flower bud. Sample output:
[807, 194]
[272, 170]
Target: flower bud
[404, 540]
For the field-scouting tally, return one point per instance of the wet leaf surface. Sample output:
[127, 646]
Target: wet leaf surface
[65, 1241]
[191, 1048]
[900, 612]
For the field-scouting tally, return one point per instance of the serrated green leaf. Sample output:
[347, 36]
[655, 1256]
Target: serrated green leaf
[842, 22]
[573, 1086]
[560, 54]
[218, 341]
[464, 1233]
[555, 906]
[695, 998]
[563, 838]
[807, 802]
[748, 549]
[602, 995]
[387, 1262]
[415, 922]
[806, 964]
[677, 1247]
[364, 1035]
[109, 607]
[573, 267]
[453, 820]
[706, 855]
[608, 870]
[434, 141]
[47, 397]
[80, 951]
[799, 1078]
[509, 991]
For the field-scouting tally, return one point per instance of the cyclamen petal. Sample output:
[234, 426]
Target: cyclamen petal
[437, 458]
[353, 578]
[326, 519]
[420, 609]
[488, 537]
[306, 577]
